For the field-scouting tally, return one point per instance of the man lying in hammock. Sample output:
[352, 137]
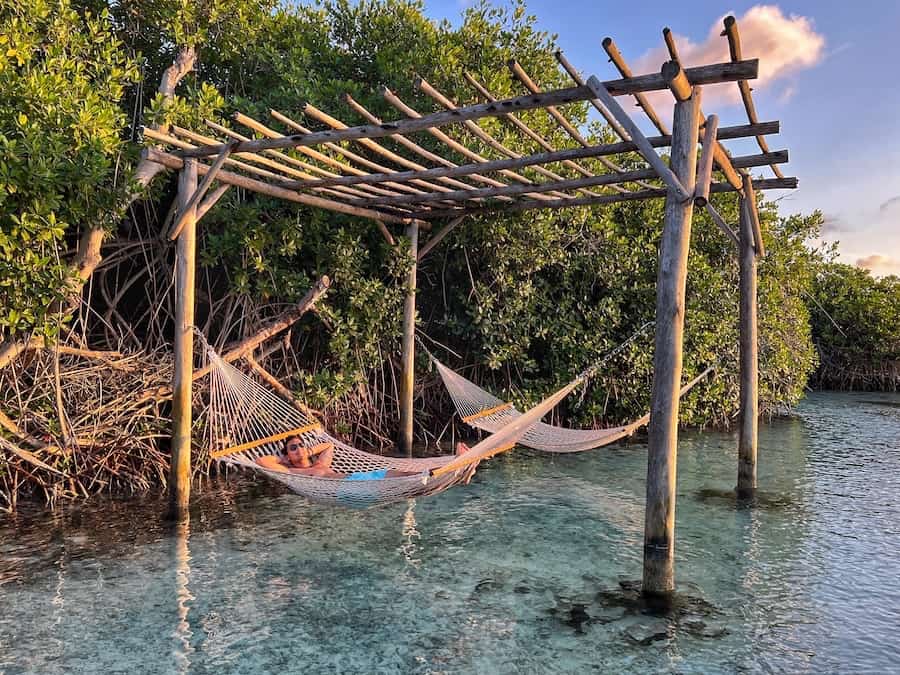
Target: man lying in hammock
[298, 459]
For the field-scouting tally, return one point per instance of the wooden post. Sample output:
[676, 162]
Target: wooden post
[407, 376]
[749, 399]
[659, 518]
[185, 260]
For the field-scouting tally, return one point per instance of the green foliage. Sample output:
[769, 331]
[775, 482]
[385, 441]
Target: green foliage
[529, 299]
[856, 326]
[62, 76]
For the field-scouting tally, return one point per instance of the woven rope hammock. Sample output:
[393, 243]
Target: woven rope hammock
[482, 410]
[247, 421]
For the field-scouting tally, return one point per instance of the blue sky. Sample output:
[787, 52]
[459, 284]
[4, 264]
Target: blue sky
[835, 96]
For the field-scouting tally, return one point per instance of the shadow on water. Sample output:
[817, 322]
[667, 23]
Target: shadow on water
[642, 619]
[770, 501]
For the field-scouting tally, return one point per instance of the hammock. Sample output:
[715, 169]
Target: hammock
[482, 410]
[247, 421]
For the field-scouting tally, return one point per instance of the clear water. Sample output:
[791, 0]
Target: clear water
[525, 570]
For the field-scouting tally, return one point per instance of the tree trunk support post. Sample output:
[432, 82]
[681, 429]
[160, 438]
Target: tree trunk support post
[407, 375]
[185, 267]
[749, 356]
[659, 518]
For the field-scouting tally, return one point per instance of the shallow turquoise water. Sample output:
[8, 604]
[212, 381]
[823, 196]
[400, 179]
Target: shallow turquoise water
[525, 570]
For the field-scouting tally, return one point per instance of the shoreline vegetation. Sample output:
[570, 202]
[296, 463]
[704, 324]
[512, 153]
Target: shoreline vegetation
[519, 303]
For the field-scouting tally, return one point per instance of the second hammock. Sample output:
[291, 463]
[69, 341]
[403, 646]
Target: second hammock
[482, 410]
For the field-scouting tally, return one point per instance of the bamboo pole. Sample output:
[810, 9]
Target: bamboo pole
[718, 72]
[659, 518]
[407, 376]
[748, 431]
[185, 268]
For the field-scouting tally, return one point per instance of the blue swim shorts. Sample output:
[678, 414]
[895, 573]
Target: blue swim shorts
[377, 474]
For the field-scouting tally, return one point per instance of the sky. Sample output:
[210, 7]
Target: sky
[827, 72]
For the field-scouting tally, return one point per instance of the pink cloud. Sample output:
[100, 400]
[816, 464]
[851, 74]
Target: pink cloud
[783, 44]
[879, 265]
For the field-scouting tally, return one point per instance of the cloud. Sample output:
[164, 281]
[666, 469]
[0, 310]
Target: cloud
[832, 225]
[879, 264]
[783, 44]
[890, 206]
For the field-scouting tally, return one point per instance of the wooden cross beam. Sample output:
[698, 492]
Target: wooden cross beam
[721, 72]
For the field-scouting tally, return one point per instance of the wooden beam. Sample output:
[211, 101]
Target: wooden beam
[522, 127]
[734, 46]
[395, 101]
[561, 121]
[720, 72]
[358, 159]
[312, 111]
[288, 159]
[520, 74]
[480, 133]
[644, 148]
[615, 56]
[720, 221]
[750, 195]
[539, 158]
[414, 147]
[386, 233]
[721, 155]
[662, 451]
[190, 210]
[438, 236]
[408, 353]
[748, 426]
[173, 162]
[334, 123]
[677, 80]
[788, 183]
[577, 79]
[211, 200]
[515, 190]
[185, 270]
[705, 164]
[281, 173]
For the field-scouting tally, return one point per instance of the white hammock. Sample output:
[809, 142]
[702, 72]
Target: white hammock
[482, 410]
[247, 421]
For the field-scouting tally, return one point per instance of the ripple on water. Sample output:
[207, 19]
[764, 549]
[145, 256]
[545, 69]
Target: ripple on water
[531, 568]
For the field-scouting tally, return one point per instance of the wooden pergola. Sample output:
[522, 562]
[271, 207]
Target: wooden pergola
[392, 179]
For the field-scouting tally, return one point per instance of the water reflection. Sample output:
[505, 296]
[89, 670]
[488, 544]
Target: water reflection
[183, 596]
[409, 545]
[504, 575]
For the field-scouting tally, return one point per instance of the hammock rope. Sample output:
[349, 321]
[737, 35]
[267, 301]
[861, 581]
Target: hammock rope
[247, 422]
[481, 409]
